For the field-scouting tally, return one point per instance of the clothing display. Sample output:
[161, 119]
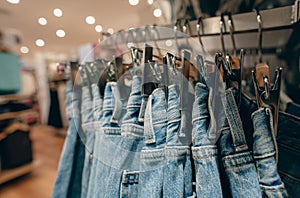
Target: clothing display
[232, 153]
[178, 124]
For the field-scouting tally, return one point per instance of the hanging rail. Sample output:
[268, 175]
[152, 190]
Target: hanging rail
[273, 19]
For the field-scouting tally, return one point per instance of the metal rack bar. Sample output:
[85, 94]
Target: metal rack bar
[273, 19]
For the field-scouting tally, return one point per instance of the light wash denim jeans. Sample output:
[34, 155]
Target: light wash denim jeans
[205, 152]
[89, 133]
[97, 110]
[68, 180]
[123, 179]
[264, 152]
[178, 169]
[107, 139]
[237, 160]
[152, 165]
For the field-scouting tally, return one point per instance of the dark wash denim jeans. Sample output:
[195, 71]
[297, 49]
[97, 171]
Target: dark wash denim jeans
[288, 141]
[205, 153]
[178, 169]
[237, 160]
[97, 112]
[153, 155]
[264, 153]
[68, 180]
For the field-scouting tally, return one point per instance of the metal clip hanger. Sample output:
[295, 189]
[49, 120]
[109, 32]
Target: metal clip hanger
[137, 56]
[267, 95]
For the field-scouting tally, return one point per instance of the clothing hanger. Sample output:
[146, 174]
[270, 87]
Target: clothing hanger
[267, 95]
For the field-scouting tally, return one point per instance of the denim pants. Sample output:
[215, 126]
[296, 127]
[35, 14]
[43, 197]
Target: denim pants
[237, 160]
[123, 179]
[153, 156]
[89, 133]
[178, 169]
[68, 180]
[107, 138]
[97, 111]
[264, 152]
[205, 153]
[288, 139]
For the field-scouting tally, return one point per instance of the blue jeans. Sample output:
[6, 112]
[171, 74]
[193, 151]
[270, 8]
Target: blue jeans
[123, 179]
[178, 169]
[153, 155]
[288, 139]
[237, 160]
[89, 133]
[205, 153]
[264, 152]
[107, 138]
[68, 180]
[97, 109]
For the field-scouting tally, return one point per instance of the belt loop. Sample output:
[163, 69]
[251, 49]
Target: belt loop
[148, 125]
[234, 120]
[117, 112]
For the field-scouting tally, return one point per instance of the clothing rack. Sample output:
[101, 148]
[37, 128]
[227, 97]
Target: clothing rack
[272, 19]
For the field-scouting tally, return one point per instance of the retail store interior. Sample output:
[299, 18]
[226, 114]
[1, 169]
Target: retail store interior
[70, 70]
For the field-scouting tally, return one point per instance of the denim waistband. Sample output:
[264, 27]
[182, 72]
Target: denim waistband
[174, 116]
[112, 105]
[177, 152]
[234, 121]
[236, 160]
[134, 104]
[97, 102]
[205, 128]
[263, 121]
[132, 130]
[86, 106]
[155, 125]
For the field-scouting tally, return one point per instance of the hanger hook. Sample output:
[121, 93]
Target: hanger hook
[147, 32]
[231, 30]
[200, 29]
[222, 28]
[259, 21]
[175, 28]
[156, 37]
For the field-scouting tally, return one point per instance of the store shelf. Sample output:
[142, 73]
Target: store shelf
[12, 115]
[6, 175]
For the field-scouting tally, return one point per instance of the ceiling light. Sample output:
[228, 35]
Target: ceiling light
[42, 21]
[57, 12]
[110, 30]
[90, 20]
[169, 43]
[150, 2]
[60, 33]
[98, 28]
[133, 2]
[157, 12]
[24, 50]
[13, 1]
[40, 42]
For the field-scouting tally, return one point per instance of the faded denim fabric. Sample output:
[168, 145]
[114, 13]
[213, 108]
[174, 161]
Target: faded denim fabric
[237, 160]
[107, 139]
[89, 133]
[97, 110]
[264, 153]
[123, 179]
[68, 180]
[153, 155]
[178, 169]
[205, 153]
